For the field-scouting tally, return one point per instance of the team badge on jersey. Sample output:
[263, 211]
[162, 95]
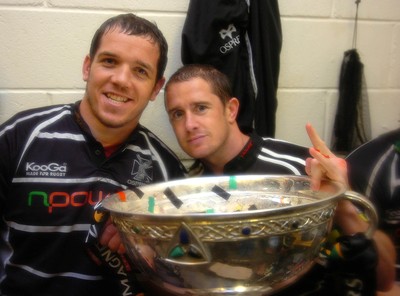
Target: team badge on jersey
[141, 171]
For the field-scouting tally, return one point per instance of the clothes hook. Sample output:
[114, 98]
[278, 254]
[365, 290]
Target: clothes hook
[355, 25]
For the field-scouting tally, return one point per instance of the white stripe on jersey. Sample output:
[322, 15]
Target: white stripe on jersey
[280, 162]
[30, 116]
[67, 181]
[52, 275]
[284, 156]
[136, 148]
[60, 229]
[393, 181]
[36, 131]
[61, 136]
[157, 156]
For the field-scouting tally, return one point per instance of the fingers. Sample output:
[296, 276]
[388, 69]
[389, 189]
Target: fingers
[317, 142]
[121, 249]
[334, 168]
[109, 231]
[111, 238]
[316, 172]
[324, 163]
[116, 245]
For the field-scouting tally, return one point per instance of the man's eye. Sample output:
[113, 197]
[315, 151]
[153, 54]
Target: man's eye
[176, 115]
[109, 61]
[141, 72]
[201, 108]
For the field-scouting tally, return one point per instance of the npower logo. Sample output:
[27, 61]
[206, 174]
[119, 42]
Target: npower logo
[61, 200]
[51, 169]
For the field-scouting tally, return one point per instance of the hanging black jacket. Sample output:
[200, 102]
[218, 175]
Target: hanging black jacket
[244, 42]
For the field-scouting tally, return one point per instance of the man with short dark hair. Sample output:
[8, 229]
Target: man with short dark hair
[202, 112]
[58, 161]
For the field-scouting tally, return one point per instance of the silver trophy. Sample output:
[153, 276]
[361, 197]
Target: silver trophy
[229, 235]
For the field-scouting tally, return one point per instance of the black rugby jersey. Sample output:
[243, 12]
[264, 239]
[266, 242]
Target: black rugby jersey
[52, 172]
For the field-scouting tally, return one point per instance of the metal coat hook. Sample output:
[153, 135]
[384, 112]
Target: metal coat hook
[355, 25]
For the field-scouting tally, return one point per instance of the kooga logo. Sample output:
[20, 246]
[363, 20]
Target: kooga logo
[51, 169]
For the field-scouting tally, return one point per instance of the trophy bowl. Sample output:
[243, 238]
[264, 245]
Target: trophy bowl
[233, 235]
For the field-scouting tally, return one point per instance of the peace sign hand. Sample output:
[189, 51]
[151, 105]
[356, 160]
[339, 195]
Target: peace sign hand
[323, 164]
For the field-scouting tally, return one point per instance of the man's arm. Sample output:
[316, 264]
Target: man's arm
[325, 164]
[348, 219]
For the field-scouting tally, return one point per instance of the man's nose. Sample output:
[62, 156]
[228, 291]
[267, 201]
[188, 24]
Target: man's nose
[121, 76]
[190, 121]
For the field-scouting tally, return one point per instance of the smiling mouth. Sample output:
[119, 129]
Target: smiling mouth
[116, 98]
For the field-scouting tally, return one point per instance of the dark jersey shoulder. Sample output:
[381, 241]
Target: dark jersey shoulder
[375, 155]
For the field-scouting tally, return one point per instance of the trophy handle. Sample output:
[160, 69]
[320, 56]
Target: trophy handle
[367, 210]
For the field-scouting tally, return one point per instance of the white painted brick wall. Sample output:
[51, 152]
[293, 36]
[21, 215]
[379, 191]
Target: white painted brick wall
[43, 43]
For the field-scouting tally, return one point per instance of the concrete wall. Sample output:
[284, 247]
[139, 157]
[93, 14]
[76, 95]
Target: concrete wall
[43, 43]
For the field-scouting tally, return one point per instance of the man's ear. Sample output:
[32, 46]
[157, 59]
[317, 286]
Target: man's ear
[157, 87]
[86, 68]
[232, 107]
